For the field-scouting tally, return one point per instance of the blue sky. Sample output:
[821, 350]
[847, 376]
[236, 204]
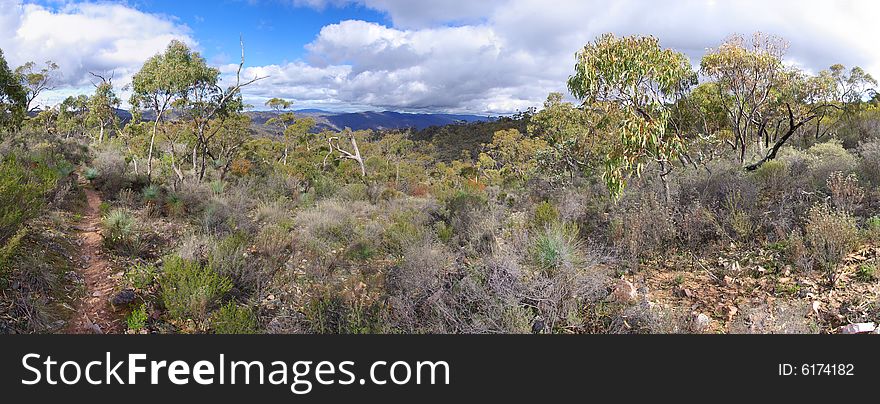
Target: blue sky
[274, 31]
[462, 56]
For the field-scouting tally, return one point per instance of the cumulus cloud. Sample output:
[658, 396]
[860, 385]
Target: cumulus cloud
[503, 55]
[83, 38]
[492, 56]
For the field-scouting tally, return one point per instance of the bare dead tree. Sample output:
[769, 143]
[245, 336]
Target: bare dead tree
[355, 154]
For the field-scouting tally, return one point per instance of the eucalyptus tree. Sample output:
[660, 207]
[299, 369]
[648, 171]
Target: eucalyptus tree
[13, 97]
[207, 105]
[103, 106]
[636, 82]
[73, 115]
[767, 102]
[747, 75]
[37, 80]
[572, 135]
[163, 79]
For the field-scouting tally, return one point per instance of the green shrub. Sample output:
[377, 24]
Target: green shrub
[190, 290]
[866, 273]
[217, 187]
[545, 214]
[10, 248]
[558, 246]
[151, 193]
[137, 320]
[830, 235]
[872, 229]
[234, 319]
[91, 174]
[361, 250]
[174, 205]
[141, 276]
[444, 232]
[22, 194]
[826, 158]
[120, 232]
[353, 192]
[405, 229]
[773, 174]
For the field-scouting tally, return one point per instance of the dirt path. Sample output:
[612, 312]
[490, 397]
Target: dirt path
[94, 314]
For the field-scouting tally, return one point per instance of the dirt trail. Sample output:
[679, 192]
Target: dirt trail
[94, 315]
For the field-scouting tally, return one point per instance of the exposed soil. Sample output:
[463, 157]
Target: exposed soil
[94, 314]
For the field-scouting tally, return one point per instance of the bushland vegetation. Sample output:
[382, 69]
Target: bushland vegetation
[740, 196]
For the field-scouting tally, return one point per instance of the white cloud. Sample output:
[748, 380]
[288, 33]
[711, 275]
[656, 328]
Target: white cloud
[82, 38]
[505, 54]
[446, 55]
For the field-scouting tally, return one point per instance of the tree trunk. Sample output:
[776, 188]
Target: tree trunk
[152, 143]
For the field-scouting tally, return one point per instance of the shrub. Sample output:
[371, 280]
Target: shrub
[406, 229]
[846, 194]
[91, 173]
[121, 233]
[150, 193]
[361, 250]
[773, 175]
[869, 167]
[444, 232]
[866, 273]
[353, 192]
[830, 234]
[141, 276]
[545, 214]
[111, 167]
[190, 290]
[273, 241]
[137, 320]
[217, 187]
[22, 193]
[872, 229]
[557, 247]
[9, 249]
[174, 205]
[826, 158]
[234, 319]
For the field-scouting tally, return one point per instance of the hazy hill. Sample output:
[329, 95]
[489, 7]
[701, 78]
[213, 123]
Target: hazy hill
[371, 120]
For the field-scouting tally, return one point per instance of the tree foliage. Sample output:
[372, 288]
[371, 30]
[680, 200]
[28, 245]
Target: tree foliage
[634, 80]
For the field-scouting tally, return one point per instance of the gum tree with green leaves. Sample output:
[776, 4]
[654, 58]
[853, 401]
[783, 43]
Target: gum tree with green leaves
[102, 106]
[163, 79]
[36, 80]
[13, 97]
[288, 126]
[635, 81]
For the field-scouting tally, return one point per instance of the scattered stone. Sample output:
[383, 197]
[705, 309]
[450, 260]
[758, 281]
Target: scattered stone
[682, 292]
[701, 323]
[124, 298]
[858, 328]
[624, 292]
[731, 312]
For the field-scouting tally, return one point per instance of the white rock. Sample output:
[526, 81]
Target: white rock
[858, 328]
[702, 322]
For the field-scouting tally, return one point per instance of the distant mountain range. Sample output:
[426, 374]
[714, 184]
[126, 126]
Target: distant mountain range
[337, 121]
[371, 120]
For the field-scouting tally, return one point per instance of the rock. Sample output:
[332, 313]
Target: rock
[624, 292]
[682, 292]
[702, 322]
[124, 298]
[858, 328]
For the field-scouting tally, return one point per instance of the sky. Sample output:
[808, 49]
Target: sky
[457, 56]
